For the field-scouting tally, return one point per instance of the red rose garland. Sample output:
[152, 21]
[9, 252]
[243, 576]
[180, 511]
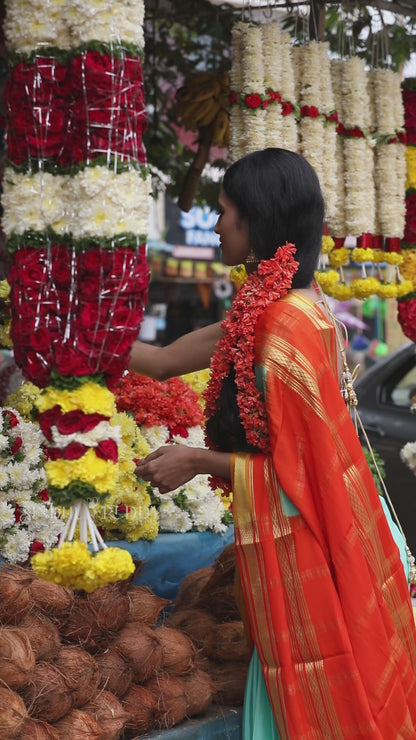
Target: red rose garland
[406, 307]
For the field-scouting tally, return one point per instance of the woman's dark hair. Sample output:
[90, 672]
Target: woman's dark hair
[278, 193]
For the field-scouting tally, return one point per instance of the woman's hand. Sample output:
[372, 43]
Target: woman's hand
[169, 467]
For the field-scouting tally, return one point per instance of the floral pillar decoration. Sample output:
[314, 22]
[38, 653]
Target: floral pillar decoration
[76, 198]
[406, 309]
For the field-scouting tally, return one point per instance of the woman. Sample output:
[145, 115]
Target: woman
[325, 594]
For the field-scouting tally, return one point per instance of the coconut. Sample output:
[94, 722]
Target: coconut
[78, 725]
[138, 643]
[141, 707]
[81, 627]
[110, 715]
[144, 605]
[199, 690]
[198, 624]
[80, 670]
[229, 643]
[115, 674]
[169, 691]
[43, 635]
[219, 599]
[178, 650]
[12, 714]
[15, 593]
[36, 729]
[47, 695]
[51, 599]
[111, 606]
[229, 680]
[17, 659]
[190, 588]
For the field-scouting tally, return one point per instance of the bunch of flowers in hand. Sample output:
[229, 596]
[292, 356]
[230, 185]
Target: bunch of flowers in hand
[29, 523]
[170, 412]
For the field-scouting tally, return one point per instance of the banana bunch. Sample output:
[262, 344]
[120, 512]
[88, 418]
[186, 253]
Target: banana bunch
[202, 102]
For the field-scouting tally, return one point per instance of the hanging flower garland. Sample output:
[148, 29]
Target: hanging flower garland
[406, 307]
[76, 205]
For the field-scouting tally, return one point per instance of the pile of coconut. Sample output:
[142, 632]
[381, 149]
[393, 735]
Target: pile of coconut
[113, 663]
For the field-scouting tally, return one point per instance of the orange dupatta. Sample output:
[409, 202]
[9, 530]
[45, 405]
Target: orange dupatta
[324, 587]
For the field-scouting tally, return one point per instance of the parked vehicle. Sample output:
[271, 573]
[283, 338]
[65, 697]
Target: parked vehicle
[384, 395]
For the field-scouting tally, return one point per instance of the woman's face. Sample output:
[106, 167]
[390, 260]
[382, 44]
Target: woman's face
[233, 232]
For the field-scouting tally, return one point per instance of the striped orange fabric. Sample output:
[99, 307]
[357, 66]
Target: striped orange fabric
[324, 587]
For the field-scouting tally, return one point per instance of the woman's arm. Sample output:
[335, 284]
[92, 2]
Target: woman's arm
[173, 465]
[192, 351]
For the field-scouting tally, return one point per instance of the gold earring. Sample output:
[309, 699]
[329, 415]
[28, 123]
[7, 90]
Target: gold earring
[251, 259]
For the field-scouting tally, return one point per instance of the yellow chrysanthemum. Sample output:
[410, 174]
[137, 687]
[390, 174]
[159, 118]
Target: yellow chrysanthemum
[365, 287]
[387, 290]
[411, 167]
[147, 529]
[141, 446]
[23, 400]
[198, 381]
[111, 565]
[327, 279]
[327, 244]
[102, 474]
[4, 289]
[91, 398]
[339, 257]
[63, 564]
[362, 255]
[408, 268]
[405, 287]
[238, 275]
[341, 291]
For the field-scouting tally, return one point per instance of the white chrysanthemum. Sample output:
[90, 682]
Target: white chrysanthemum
[39, 201]
[4, 441]
[195, 437]
[408, 455]
[31, 24]
[99, 20]
[15, 547]
[172, 518]
[42, 522]
[155, 436]
[7, 517]
[110, 203]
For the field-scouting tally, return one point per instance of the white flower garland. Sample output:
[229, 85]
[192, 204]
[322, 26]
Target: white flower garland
[271, 42]
[330, 172]
[103, 21]
[336, 217]
[311, 130]
[254, 121]
[390, 158]
[236, 83]
[358, 152]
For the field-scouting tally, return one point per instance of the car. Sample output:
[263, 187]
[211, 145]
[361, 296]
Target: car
[384, 393]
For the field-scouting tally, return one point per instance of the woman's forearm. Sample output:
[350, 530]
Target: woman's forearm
[192, 351]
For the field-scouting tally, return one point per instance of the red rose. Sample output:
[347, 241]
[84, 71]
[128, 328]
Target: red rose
[36, 547]
[12, 418]
[17, 513]
[96, 261]
[232, 98]
[36, 367]
[68, 360]
[61, 264]
[74, 451]
[406, 314]
[309, 111]
[48, 419]
[253, 100]
[43, 495]
[16, 445]
[78, 421]
[287, 108]
[107, 450]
